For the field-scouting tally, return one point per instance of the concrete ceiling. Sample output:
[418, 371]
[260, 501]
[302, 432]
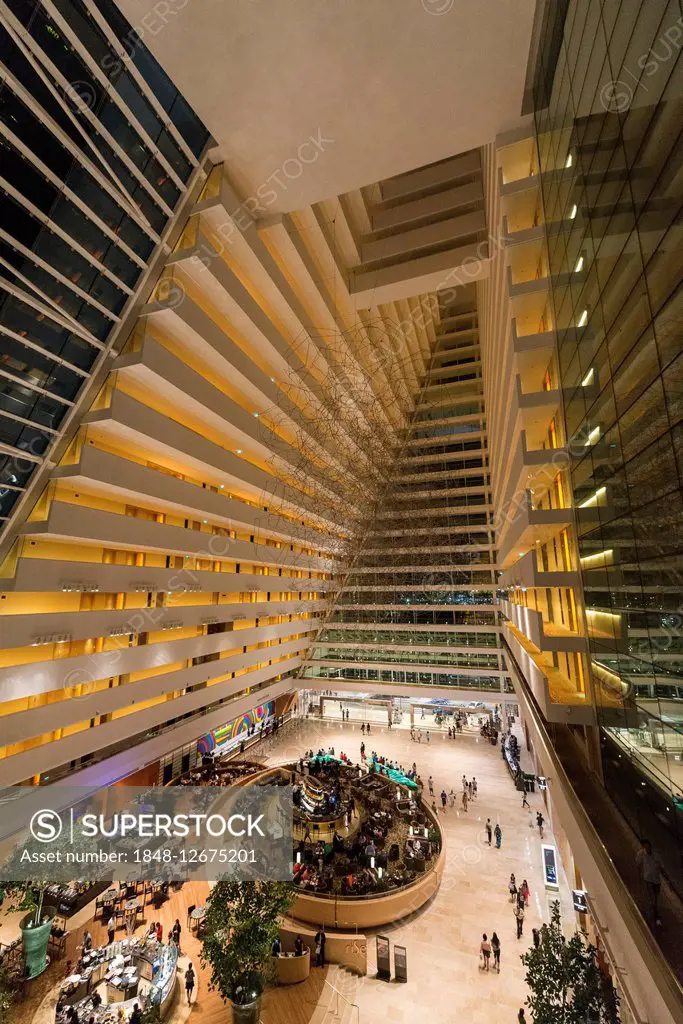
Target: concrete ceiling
[394, 83]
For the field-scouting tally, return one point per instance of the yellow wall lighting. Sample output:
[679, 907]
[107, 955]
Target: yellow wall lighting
[594, 559]
[593, 500]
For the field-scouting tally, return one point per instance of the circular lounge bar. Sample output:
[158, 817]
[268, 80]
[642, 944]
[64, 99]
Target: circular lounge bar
[367, 851]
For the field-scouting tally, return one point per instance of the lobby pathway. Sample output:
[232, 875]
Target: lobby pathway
[442, 939]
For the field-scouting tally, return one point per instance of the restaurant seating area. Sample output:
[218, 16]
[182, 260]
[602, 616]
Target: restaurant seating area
[215, 771]
[379, 837]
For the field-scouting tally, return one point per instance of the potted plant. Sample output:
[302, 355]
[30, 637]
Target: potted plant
[435, 838]
[36, 924]
[567, 983]
[29, 895]
[240, 926]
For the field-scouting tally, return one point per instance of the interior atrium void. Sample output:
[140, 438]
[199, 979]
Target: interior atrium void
[341, 455]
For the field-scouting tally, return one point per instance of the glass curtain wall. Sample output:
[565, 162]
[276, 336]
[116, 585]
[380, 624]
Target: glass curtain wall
[608, 122]
[97, 150]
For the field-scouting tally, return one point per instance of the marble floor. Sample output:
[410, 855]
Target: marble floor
[442, 939]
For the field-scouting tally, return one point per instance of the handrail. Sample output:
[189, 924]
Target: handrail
[602, 930]
[666, 982]
[355, 1006]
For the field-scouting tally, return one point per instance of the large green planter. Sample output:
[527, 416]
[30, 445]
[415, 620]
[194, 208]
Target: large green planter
[35, 939]
[251, 987]
[246, 1013]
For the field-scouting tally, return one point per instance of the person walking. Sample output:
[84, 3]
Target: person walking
[535, 934]
[175, 933]
[419, 735]
[362, 728]
[428, 737]
[362, 751]
[495, 946]
[498, 834]
[189, 982]
[519, 917]
[525, 802]
[521, 1019]
[464, 799]
[430, 783]
[485, 950]
[412, 733]
[474, 787]
[464, 783]
[539, 822]
[111, 929]
[650, 868]
[512, 887]
[320, 948]
[524, 890]
[367, 727]
[444, 799]
[489, 830]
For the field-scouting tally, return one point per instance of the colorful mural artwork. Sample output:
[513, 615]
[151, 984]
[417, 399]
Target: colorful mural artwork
[229, 731]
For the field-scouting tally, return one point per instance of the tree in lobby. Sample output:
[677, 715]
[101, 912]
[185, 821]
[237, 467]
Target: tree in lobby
[29, 894]
[240, 926]
[566, 982]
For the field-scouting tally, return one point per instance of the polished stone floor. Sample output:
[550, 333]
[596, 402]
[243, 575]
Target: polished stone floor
[442, 939]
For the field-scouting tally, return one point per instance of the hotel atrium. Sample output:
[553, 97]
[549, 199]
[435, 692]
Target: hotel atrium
[340, 349]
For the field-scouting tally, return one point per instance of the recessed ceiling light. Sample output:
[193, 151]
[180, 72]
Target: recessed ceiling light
[238, 451]
[573, 212]
[583, 319]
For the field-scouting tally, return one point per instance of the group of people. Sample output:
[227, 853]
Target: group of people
[491, 832]
[519, 897]
[416, 735]
[380, 762]
[469, 792]
[157, 932]
[486, 949]
[300, 949]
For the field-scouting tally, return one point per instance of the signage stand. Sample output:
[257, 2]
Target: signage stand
[400, 963]
[383, 958]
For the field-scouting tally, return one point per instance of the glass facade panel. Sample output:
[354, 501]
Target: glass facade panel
[609, 141]
[66, 209]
